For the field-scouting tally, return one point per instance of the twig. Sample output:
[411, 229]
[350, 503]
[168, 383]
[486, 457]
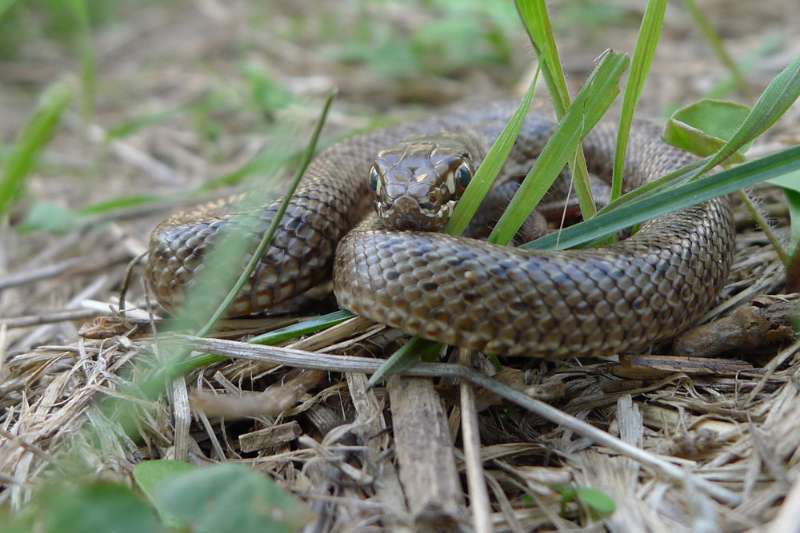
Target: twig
[128, 153]
[425, 454]
[101, 283]
[27, 446]
[123, 292]
[72, 265]
[470, 435]
[37, 274]
[48, 318]
[348, 363]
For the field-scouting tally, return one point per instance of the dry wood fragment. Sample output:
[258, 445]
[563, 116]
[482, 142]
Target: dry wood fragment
[370, 427]
[269, 438]
[427, 463]
[272, 401]
[793, 273]
[658, 366]
[766, 321]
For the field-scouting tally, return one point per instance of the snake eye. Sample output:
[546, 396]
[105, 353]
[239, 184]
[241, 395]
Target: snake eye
[374, 179]
[463, 175]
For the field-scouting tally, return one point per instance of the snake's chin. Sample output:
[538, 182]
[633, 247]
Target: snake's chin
[418, 219]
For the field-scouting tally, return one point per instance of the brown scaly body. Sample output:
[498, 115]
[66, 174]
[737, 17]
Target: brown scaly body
[467, 292]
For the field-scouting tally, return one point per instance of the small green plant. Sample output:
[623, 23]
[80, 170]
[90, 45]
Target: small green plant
[595, 503]
[169, 496]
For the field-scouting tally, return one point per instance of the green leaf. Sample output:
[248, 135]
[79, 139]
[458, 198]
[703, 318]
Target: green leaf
[96, 506]
[229, 497]
[55, 218]
[704, 127]
[305, 327]
[646, 42]
[32, 140]
[590, 104]
[685, 195]
[149, 475]
[49, 216]
[600, 503]
[789, 181]
[121, 202]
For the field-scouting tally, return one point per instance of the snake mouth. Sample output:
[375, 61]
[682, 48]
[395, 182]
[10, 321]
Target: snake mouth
[408, 215]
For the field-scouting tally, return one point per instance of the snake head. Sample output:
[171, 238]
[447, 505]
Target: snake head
[417, 183]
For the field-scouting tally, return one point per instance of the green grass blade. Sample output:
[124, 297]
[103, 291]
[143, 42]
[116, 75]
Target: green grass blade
[281, 335]
[80, 12]
[536, 20]
[266, 238]
[491, 165]
[130, 126]
[590, 104]
[673, 179]
[414, 349]
[680, 197]
[715, 41]
[221, 270]
[771, 44]
[306, 327]
[646, 42]
[32, 140]
[412, 352]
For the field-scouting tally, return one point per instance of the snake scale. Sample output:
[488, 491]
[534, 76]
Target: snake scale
[457, 290]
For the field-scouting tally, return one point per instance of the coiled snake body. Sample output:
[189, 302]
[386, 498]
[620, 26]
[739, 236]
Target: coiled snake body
[458, 290]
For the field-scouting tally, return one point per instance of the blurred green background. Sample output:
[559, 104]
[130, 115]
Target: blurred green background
[199, 88]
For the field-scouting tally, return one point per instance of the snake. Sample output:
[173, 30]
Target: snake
[369, 213]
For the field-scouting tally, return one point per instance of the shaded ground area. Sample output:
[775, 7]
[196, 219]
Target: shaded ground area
[190, 98]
